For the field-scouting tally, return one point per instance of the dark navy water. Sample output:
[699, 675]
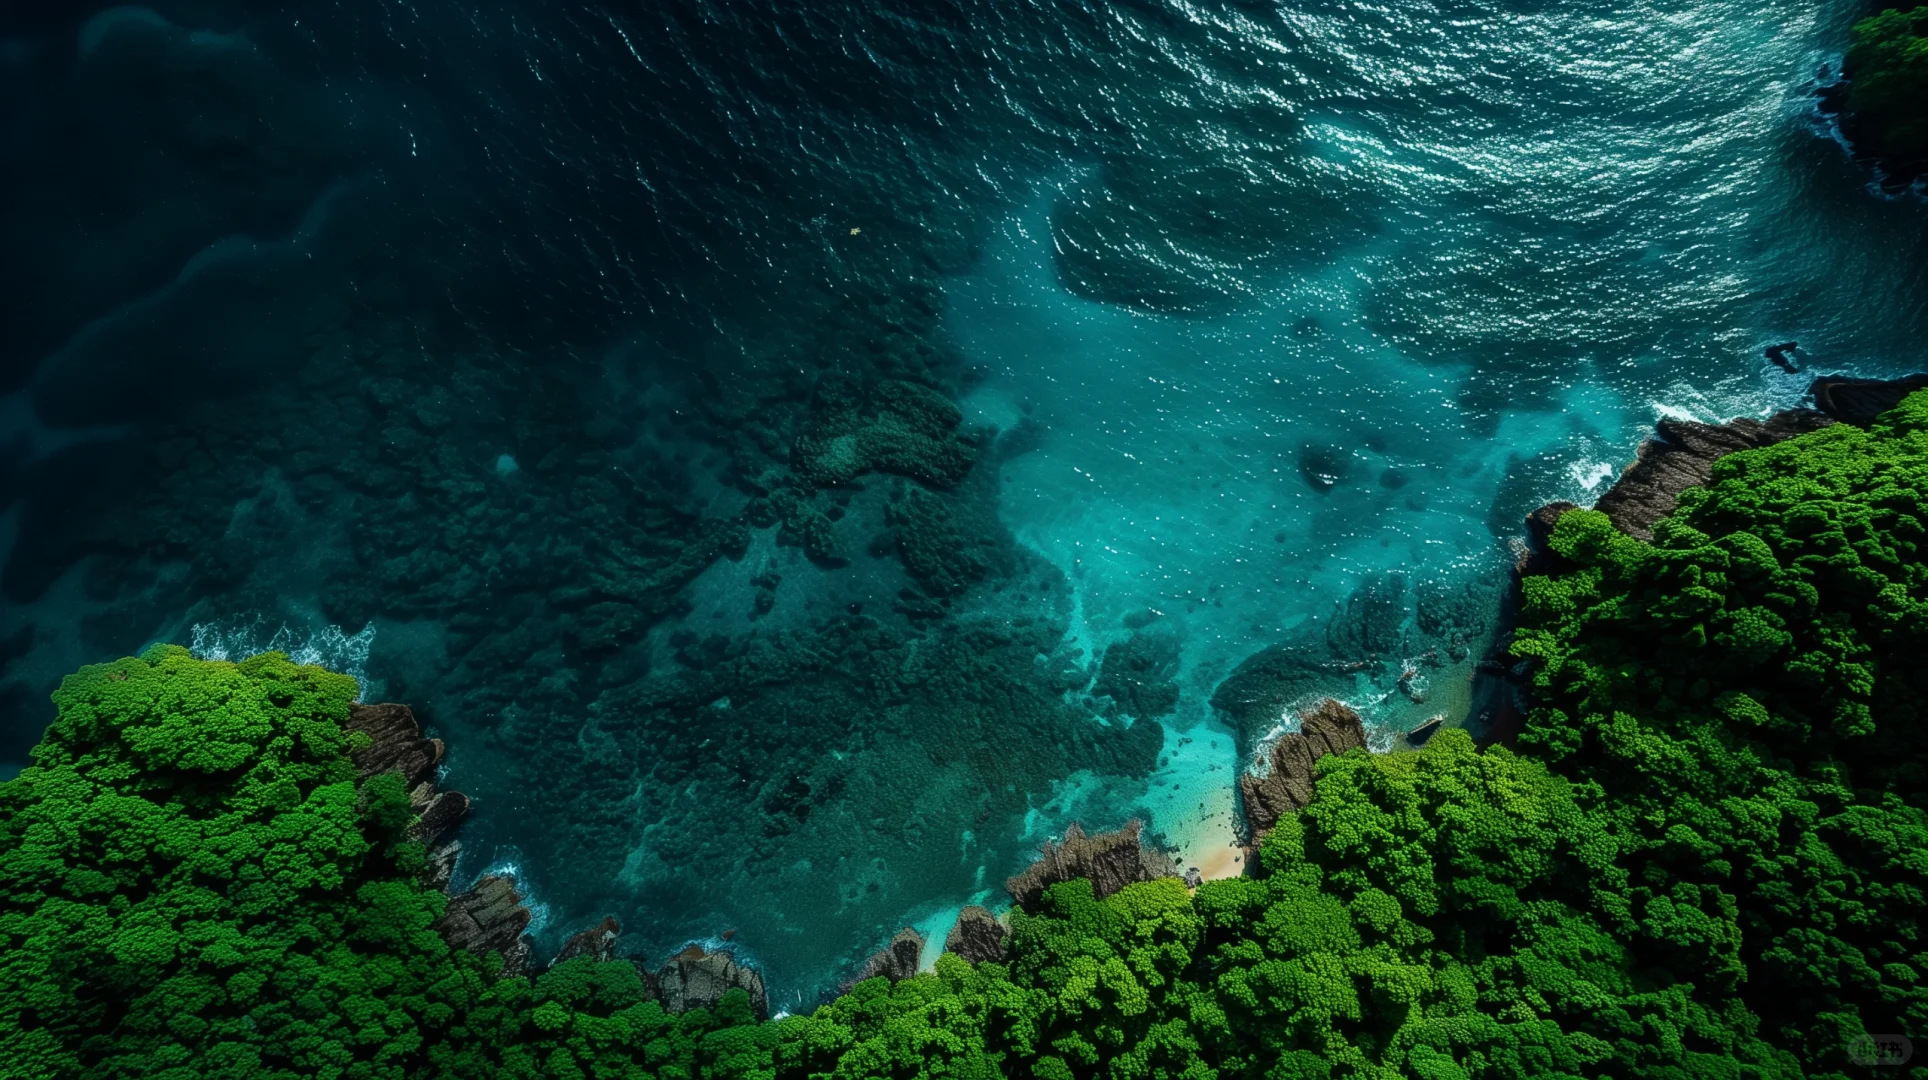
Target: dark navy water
[802, 456]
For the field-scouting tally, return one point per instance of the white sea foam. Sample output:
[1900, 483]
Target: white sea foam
[1590, 474]
[330, 646]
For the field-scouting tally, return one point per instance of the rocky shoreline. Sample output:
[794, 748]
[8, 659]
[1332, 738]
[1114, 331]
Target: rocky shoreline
[1681, 455]
[492, 916]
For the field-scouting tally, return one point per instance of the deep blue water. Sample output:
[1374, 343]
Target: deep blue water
[801, 456]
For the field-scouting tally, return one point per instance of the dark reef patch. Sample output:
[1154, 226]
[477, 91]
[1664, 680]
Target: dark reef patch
[1139, 674]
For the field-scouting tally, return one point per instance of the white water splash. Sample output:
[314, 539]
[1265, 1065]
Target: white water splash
[1591, 474]
[329, 646]
[508, 863]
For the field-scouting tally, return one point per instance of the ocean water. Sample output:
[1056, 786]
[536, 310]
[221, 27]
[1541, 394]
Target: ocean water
[801, 457]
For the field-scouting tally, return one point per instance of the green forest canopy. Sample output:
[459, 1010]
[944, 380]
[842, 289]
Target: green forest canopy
[1707, 857]
[1887, 65]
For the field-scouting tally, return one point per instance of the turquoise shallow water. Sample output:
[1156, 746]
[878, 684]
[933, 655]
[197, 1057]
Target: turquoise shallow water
[525, 362]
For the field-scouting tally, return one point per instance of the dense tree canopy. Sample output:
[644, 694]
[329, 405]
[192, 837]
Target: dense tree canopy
[1708, 857]
[1748, 690]
[1888, 94]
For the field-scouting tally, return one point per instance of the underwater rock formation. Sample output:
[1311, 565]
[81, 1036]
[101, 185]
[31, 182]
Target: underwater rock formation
[1859, 401]
[1112, 860]
[1682, 456]
[935, 551]
[697, 978]
[1455, 615]
[977, 936]
[1140, 674]
[1368, 626]
[895, 427]
[896, 961]
[1286, 784]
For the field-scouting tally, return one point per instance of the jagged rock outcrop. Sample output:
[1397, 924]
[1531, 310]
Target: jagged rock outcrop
[440, 811]
[896, 961]
[1112, 860]
[490, 917]
[697, 978]
[598, 942]
[1683, 456]
[977, 936]
[1255, 694]
[1683, 453]
[1860, 401]
[1285, 784]
[396, 743]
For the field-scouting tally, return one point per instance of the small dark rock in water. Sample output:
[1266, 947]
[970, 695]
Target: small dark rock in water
[1324, 467]
[1407, 686]
[697, 978]
[598, 942]
[977, 937]
[1328, 728]
[1111, 860]
[896, 961]
[1392, 479]
[1783, 356]
[1861, 401]
[1683, 456]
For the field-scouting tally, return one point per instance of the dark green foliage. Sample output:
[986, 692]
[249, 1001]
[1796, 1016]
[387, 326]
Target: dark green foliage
[1888, 95]
[1706, 860]
[1748, 688]
[191, 884]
